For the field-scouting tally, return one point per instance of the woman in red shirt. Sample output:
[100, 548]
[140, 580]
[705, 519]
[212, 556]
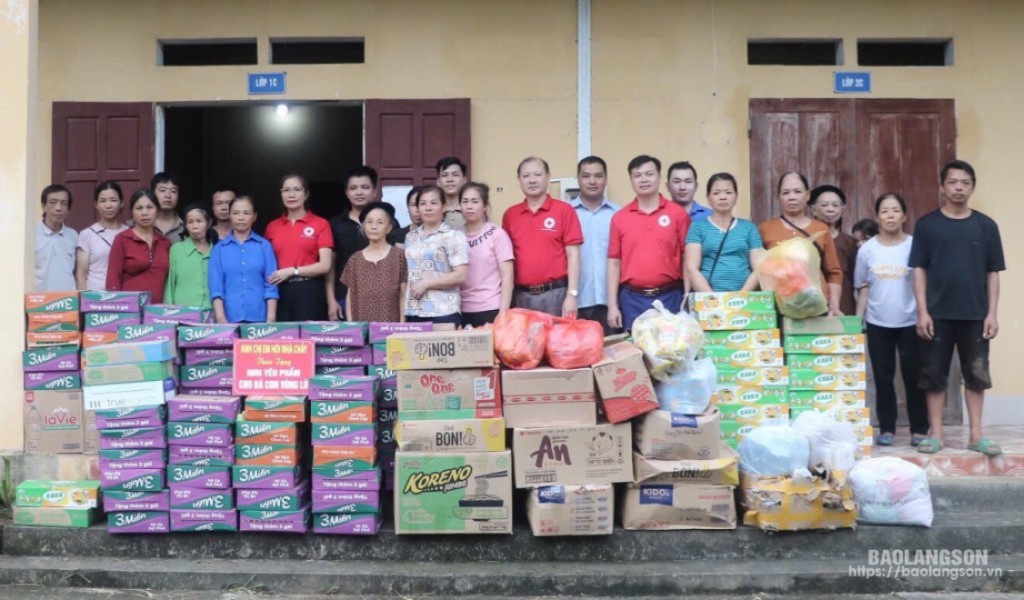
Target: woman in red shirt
[140, 256]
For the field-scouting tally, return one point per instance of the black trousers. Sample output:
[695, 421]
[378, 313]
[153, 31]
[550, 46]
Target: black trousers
[884, 344]
[304, 300]
[599, 313]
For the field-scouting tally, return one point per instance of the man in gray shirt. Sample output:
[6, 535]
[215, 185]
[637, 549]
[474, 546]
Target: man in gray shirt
[55, 242]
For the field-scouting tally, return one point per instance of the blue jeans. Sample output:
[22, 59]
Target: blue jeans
[632, 305]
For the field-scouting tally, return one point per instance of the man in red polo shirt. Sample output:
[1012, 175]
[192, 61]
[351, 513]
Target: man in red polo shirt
[645, 252]
[546, 238]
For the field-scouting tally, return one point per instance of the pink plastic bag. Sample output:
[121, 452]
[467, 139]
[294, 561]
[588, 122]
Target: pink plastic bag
[574, 343]
[520, 336]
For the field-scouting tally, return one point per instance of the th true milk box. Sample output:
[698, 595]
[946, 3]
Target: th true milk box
[269, 331]
[127, 353]
[128, 395]
[806, 379]
[57, 493]
[335, 333]
[53, 380]
[342, 411]
[129, 418]
[343, 356]
[249, 477]
[273, 521]
[828, 363]
[102, 301]
[283, 499]
[133, 480]
[272, 455]
[752, 301]
[155, 458]
[121, 501]
[207, 477]
[743, 340]
[40, 302]
[185, 497]
[379, 332]
[207, 335]
[172, 314]
[143, 371]
[332, 501]
[109, 321]
[51, 358]
[464, 349]
[825, 344]
[203, 409]
[206, 376]
[204, 520]
[131, 439]
[346, 523]
[330, 387]
[732, 358]
[212, 456]
[344, 434]
[263, 432]
[219, 435]
[734, 320]
[149, 521]
[209, 356]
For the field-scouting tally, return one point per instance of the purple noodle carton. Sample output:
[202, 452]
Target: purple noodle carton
[198, 391]
[132, 459]
[260, 477]
[212, 456]
[53, 380]
[172, 314]
[379, 332]
[136, 438]
[335, 333]
[51, 358]
[199, 498]
[109, 322]
[274, 521]
[346, 523]
[360, 435]
[289, 499]
[121, 501]
[207, 335]
[329, 479]
[270, 331]
[209, 356]
[188, 408]
[206, 376]
[204, 520]
[331, 387]
[148, 521]
[340, 370]
[101, 301]
[345, 501]
[220, 435]
[198, 476]
[130, 418]
[343, 356]
[133, 480]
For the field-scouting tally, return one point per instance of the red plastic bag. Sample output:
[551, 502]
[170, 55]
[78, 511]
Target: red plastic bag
[574, 343]
[519, 337]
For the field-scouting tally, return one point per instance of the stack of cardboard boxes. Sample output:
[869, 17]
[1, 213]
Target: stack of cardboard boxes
[207, 373]
[104, 312]
[452, 471]
[57, 503]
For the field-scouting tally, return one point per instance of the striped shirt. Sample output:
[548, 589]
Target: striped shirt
[733, 267]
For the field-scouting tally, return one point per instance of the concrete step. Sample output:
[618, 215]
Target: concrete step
[499, 578]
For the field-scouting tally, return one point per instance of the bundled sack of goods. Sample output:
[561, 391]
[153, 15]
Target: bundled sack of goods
[793, 271]
[688, 391]
[667, 340]
[574, 343]
[891, 491]
[523, 338]
[833, 444]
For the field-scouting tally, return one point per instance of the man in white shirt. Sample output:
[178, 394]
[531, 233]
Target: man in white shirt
[55, 242]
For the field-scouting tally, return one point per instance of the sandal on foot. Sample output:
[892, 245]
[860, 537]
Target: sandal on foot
[886, 439]
[929, 446]
[986, 447]
[916, 439]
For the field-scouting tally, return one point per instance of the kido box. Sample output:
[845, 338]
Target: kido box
[663, 506]
[571, 510]
[669, 436]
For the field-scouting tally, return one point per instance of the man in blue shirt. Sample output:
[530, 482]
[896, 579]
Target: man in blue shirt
[682, 187]
[595, 214]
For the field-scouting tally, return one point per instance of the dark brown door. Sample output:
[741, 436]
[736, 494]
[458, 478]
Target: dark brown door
[406, 138]
[97, 141]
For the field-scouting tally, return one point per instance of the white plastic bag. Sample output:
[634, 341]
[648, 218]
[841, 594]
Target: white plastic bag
[891, 491]
[833, 444]
[666, 339]
[689, 390]
[774, 451]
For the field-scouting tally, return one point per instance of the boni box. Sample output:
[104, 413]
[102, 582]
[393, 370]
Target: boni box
[52, 380]
[343, 356]
[755, 414]
[128, 353]
[139, 522]
[40, 302]
[101, 301]
[664, 506]
[343, 501]
[823, 325]
[91, 339]
[477, 391]
[464, 435]
[269, 331]
[273, 521]
[732, 358]
[209, 356]
[263, 432]
[730, 394]
[379, 332]
[743, 340]
[133, 439]
[290, 409]
[265, 478]
[453, 493]
[56, 517]
[172, 314]
[623, 383]
[717, 471]
[344, 434]
[286, 499]
[806, 379]
[54, 321]
[207, 335]
[53, 422]
[342, 411]
[441, 350]
[57, 494]
[218, 435]
[335, 333]
[733, 320]
[782, 504]
[132, 459]
[571, 510]
[199, 498]
[118, 501]
[828, 363]
[110, 321]
[130, 418]
[573, 455]
[204, 520]
[203, 409]
[271, 455]
[669, 436]
[754, 376]
[346, 524]
[206, 376]
[547, 385]
[133, 480]
[331, 387]
[825, 344]
[146, 371]
[825, 400]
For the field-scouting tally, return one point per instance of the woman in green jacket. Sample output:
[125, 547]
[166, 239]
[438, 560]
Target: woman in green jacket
[187, 281]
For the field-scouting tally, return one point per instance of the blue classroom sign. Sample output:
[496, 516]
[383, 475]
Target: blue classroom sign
[266, 83]
[852, 81]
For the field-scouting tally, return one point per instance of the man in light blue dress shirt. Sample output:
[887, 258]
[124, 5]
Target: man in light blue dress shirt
[682, 187]
[595, 214]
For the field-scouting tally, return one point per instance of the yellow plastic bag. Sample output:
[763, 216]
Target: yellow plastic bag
[666, 339]
[793, 271]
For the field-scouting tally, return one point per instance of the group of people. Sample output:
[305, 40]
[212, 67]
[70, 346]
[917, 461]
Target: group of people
[921, 296]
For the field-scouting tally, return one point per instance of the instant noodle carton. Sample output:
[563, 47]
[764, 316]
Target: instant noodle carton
[200, 498]
[56, 517]
[665, 506]
[573, 455]
[754, 377]
[732, 358]
[331, 387]
[274, 521]
[128, 353]
[546, 397]
[346, 523]
[120, 501]
[203, 409]
[342, 411]
[753, 301]
[60, 302]
[53, 321]
[571, 510]
[209, 356]
[670, 436]
[172, 314]
[53, 422]
[623, 383]
[277, 455]
[335, 333]
[130, 418]
[110, 321]
[344, 434]
[825, 344]
[207, 335]
[204, 520]
[102, 301]
[441, 350]
[220, 435]
[57, 494]
[474, 393]
[743, 340]
[343, 356]
[806, 379]
[144, 371]
[379, 332]
[828, 363]
[275, 408]
[206, 376]
[292, 499]
[52, 380]
[139, 522]
[464, 435]
[196, 476]
[716, 471]
[741, 394]
[823, 325]
[269, 331]
[784, 504]
[453, 493]
[732, 320]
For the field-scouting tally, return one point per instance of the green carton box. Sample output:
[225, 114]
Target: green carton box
[825, 344]
[755, 301]
[734, 320]
[822, 325]
[743, 340]
[45, 493]
[56, 517]
[133, 373]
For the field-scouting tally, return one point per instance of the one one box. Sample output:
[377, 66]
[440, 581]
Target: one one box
[741, 394]
[203, 409]
[331, 387]
[453, 493]
[784, 504]
[284, 499]
[262, 432]
[269, 331]
[339, 370]
[716, 471]
[346, 523]
[53, 380]
[623, 383]
[823, 325]
[824, 400]
[42, 339]
[357, 480]
[207, 335]
[172, 314]
[56, 517]
[335, 333]
[755, 414]
[466, 435]
[669, 436]
[549, 385]
[553, 414]
[57, 493]
[119, 501]
[110, 321]
[571, 510]
[828, 363]
[754, 376]
[449, 389]
[247, 477]
[732, 358]
[149, 521]
[45, 321]
[344, 434]
[274, 521]
[379, 332]
[128, 353]
[663, 506]
[337, 501]
[441, 350]
[573, 455]
[133, 480]
[149, 332]
[342, 411]
[103, 301]
[40, 302]
[806, 379]
[343, 356]
[275, 408]
[130, 418]
[206, 376]
[825, 344]
[752, 301]
[53, 422]
[279, 455]
[209, 356]
[207, 477]
[204, 520]
[734, 320]
[212, 456]
[133, 439]
[200, 434]
[200, 498]
[91, 339]
[147, 371]
[133, 459]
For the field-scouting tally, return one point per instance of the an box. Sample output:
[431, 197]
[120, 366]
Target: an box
[342, 411]
[466, 435]
[285, 499]
[262, 432]
[255, 478]
[331, 387]
[623, 383]
[279, 455]
[554, 414]
[106, 374]
[119, 501]
[664, 506]
[130, 418]
[206, 376]
[91, 339]
[141, 438]
[102, 301]
[56, 517]
[203, 409]
[782, 504]
[57, 494]
[42, 339]
[52, 380]
[752, 301]
[668, 436]
[211, 456]
[755, 414]
[453, 493]
[354, 480]
[825, 344]
[269, 331]
[172, 314]
[824, 400]
[53, 422]
[573, 455]
[200, 497]
[733, 320]
[273, 521]
[41, 302]
[207, 335]
[155, 458]
[275, 408]
[441, 350]
[379, 332]
[332, 501]
[806, 379]
[823, 325]
[547, 385]
[828, 363]
[110, 321]
[335, 333]
[343, 356]
[128, 353]
[149, 521]
[716, 471]
[477, 390]
[200, 434]
[754, 376]
[743, 340]
[194, 476]
[204, 520]
[571, 510]
[732, 358]
[741, 394]
[133, 480]
[346, 523]
[209, 356]
[344, 434]
[53, 321]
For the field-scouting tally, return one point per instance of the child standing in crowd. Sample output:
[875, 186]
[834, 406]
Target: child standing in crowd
[721, 250]
[94, 242]
[188, 280]
[398, 237]
[140, 255]
[241, 266]
[55, 242]
[864, 230]
[488, 285]
[437, 257]
[375, 276]
[827, 205]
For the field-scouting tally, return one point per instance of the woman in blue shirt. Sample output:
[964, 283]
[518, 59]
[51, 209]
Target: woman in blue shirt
[721, 250]
[240, 265]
